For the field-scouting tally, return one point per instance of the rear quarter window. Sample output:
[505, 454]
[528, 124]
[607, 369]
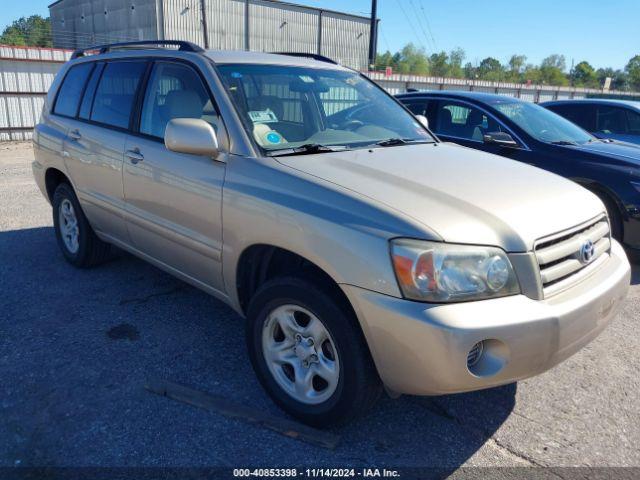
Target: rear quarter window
[71, 90]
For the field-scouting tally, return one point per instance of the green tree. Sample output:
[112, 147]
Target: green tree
[633, 71]
[439, 64]
[531, 74]
[491, 69]
[584, 75]
[384, 60]
[516, 68]
[618, 78]
[456, 57]
[470, 71]
[30, 31]
[552, 70]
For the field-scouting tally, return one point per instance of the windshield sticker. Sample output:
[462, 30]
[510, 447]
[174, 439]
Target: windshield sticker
[273, 137]
[263, 116]
[306, 79]
[236, 75]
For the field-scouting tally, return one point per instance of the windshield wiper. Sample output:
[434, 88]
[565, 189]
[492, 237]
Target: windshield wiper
[563, 142]
[307, 149]
[390, 142]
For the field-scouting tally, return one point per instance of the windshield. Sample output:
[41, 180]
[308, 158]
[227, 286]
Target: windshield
[286, 108]
[543, 124]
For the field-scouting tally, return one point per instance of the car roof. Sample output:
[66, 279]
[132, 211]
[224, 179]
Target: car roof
[489, 98]
[221, 57]
[262, 58]
[602, 101]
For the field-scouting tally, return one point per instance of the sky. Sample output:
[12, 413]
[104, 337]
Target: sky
[604, 34]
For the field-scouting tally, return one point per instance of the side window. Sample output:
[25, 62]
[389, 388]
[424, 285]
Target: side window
[116, 93]
[72, 86]
[89, 93]
[175, 91]
[582, 115]
[417, 106]
[463, 121]
[611, 120]
[633, 120]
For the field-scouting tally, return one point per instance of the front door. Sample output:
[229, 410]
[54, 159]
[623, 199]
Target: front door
[174, 200]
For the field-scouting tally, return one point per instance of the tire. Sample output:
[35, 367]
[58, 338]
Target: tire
[331, 401]
[87, 250]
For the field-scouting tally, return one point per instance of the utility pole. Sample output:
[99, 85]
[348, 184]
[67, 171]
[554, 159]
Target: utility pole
[373, 34]
[205, 29]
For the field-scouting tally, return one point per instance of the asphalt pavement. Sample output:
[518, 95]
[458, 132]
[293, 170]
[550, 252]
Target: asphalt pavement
[78, 346]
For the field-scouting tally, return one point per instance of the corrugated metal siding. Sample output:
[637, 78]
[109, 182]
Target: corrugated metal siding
[182, 20]
[345, 39]
[282, 28]
[81, 23]
[26, 75]
[225, 22]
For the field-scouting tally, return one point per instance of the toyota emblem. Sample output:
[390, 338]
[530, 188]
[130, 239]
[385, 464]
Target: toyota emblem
[587, 251]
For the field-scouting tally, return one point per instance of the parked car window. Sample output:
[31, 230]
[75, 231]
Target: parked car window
[289, 106]
[611, 120]
[633, 120]
[175, 91]
[72, 86]
[583, 115]
[416, 106]
[90, 90]
[542, 124]
[461, 120]
[116, 92]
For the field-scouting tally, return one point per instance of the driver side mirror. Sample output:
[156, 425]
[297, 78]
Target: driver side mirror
[423, 120]
[191, 135]
[502, 139]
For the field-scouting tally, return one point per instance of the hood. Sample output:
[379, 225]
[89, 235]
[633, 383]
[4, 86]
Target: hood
[464, 195]
[615, 150]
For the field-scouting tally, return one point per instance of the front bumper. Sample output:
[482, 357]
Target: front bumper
[422, 349]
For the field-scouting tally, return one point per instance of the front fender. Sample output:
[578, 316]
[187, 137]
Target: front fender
[346, 236]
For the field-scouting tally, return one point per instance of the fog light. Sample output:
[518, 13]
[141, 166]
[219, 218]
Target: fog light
[474, 354]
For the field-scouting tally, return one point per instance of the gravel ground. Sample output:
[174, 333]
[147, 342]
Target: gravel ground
[76, 347]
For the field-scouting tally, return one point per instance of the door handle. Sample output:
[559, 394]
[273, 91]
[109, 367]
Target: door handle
[134, 155]
[75, 135]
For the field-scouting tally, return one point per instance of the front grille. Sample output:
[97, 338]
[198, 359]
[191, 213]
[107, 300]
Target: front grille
[565, 258]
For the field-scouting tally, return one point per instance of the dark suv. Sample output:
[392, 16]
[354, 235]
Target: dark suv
[615, 119]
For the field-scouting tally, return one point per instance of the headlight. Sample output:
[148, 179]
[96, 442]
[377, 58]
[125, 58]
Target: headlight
[442, 272]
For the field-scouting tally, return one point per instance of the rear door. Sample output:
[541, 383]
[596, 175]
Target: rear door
[95, 143]
[174, 200]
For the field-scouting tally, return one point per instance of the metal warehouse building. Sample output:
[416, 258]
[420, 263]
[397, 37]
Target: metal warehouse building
[261, 25]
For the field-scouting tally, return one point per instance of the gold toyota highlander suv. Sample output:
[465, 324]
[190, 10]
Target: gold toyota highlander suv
[362, 251]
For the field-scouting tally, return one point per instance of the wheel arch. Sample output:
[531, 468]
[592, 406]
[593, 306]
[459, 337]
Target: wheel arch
[52, 178]
[606, 194]
[261, 262]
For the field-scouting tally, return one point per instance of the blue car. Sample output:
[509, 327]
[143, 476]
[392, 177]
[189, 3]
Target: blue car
[616, 119]
[529, 133]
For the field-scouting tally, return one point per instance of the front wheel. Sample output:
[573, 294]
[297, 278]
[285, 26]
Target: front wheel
[309, 353]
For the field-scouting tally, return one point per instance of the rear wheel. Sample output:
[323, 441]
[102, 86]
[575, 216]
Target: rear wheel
[309, 354]
[76, 239]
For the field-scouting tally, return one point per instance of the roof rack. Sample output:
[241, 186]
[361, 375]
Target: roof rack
[182, 46]
[314, 56]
